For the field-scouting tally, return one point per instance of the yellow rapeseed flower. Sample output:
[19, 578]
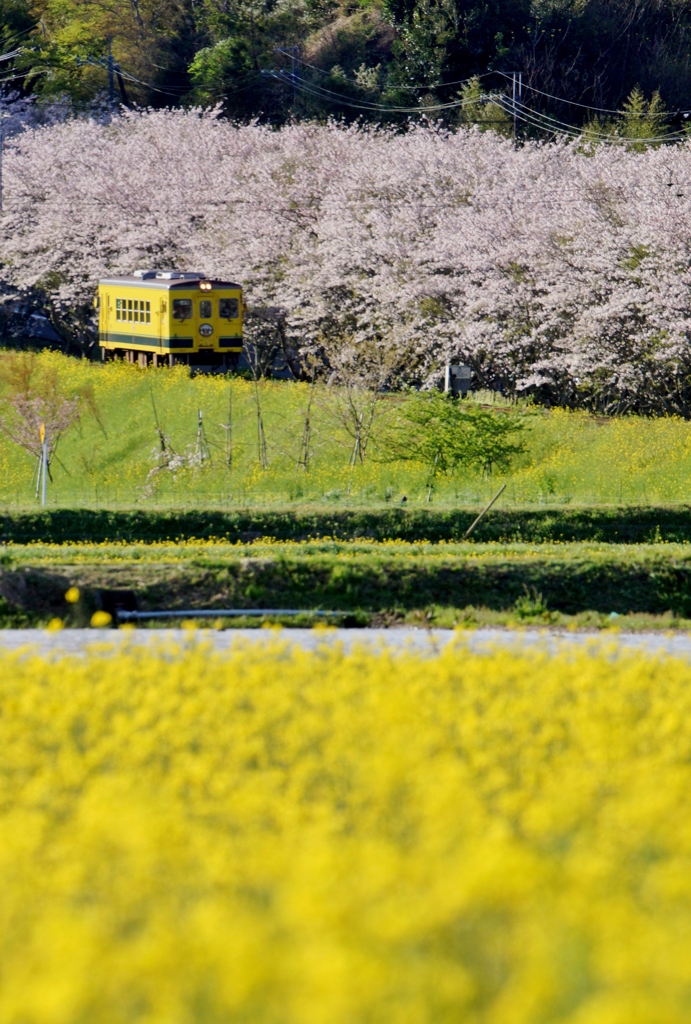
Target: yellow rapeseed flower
[101, 619]
[271, 835]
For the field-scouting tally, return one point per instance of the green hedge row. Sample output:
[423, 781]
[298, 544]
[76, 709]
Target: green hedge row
[360, 585]
[564, 586]
[611, 524]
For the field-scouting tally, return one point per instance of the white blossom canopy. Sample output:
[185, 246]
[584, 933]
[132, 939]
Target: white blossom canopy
[551, 269]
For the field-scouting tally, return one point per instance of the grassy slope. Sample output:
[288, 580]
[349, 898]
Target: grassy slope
[390, 582]
[572, 458]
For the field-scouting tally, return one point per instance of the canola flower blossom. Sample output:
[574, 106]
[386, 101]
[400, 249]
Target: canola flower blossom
[321, 838]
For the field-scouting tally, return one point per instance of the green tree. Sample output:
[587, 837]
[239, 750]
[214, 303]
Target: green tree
[148, 39]
[17, 30]
[445, 435]
[481, 109]
[641, 124]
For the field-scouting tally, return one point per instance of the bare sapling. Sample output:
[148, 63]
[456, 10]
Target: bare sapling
[228, 428]
[37, 409]
[360, 374]
[167, 459]
[203, 451]
[163, 453]
[306, 447]
[252, 355]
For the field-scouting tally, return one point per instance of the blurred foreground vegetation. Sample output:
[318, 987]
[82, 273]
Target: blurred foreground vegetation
[475, 837]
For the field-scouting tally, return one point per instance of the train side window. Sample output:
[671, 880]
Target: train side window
[182, 309]
[205, 309]
[118, 309]
[129, 309]
[148, 312]
[229, 309]
[136, 311]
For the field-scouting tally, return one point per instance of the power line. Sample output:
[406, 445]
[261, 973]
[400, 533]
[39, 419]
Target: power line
[321, 93]
[381, 204]
[364, 105]
[20, 35]
[405, 88]
[509, 77]
[586, 106]
[533, 118]
[147, 85]
[25, 74]
[131, 78]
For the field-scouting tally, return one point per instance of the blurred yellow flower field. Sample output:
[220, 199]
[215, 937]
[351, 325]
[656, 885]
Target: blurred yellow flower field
[281, 836]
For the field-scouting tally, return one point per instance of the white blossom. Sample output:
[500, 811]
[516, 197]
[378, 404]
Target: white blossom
[551, 270]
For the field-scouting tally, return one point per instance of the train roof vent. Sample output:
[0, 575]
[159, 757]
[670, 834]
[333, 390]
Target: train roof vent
[145, 275]
[176, 275]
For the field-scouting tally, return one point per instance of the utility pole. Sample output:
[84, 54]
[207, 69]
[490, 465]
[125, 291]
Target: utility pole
[294, 53]
[111, 73]
[2, 117]
[517, 96]
[113, 70]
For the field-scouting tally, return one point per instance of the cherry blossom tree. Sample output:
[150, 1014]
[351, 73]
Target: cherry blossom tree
[557, 270]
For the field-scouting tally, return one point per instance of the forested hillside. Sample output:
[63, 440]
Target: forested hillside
[376, 59]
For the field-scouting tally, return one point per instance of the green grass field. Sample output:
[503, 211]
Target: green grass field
[343, 538]
[571, 458]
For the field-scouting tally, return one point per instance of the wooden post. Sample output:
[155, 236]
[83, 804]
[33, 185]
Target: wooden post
[44, 464]
[485, 509]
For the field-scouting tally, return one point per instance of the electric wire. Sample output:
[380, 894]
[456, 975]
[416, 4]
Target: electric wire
[179, 91]
[25, 74]
[486, 74]
[20, 35]
[535, 119]
[585, 106]
[316, 90]
[406, 88]
[131, 78]
[532, 118]
[508, 105]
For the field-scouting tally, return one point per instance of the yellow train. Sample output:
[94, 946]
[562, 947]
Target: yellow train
[166, 316]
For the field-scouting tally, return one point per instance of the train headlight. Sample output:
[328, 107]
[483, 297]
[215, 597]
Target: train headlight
[205, 286]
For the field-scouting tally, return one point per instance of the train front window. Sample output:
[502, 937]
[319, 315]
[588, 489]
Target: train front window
[182, 309]
[205, 309]
[229, 309]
